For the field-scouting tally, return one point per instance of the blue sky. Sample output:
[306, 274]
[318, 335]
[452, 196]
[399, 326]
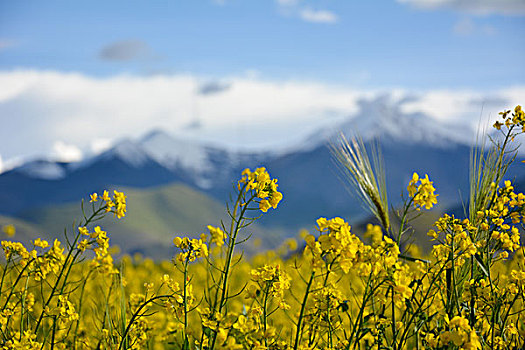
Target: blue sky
[367, 43]
[332, 49]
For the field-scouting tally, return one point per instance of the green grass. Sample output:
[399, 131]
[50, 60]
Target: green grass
[154, 217]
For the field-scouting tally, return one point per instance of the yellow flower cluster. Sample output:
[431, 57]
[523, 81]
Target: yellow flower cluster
[117, 204]
[457, 240]
[335, 242]
[25, 341]
[271, 280]
[217, 235]
[9, 230]
[460, 335]
[516, 118]
[98, 241]
[505, 211]
[192, 249]
[422, 192]
[264, 186]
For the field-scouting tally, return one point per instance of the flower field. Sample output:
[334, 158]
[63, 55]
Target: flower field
[333, 290]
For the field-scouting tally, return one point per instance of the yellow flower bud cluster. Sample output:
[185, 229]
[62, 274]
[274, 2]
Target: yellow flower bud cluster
[217, 235]
[271, 280]
[192, 249]
[457, 240]
[13, 249]
[66, 310]
[328, 300]
[460, 334]
[40, 265]
[516, 118]
[117, 204]
[25, 341]
[335, 242]
[265, 187]
[498, 219]
[98, 241]
[422, 192]
[9, 230]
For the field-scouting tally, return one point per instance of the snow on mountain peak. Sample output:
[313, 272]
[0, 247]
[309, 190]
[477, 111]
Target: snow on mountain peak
[131, 152]
[126, 150]
[384, 118]
[42, 169]
[173, 152]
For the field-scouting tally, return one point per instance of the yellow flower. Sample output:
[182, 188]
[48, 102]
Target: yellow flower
[41, 243]
[83, 231]
[264, 187]
[264, 205]
[82, 245]
[217, 235]
[120, 200]
[105, 196]
[412, 189]
[422, 193]
[9, 230]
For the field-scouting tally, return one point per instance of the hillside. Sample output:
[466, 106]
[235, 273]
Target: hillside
[154, 217]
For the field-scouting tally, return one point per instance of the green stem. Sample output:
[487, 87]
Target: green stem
[53, 334]
[23, 301]
[403, 220]
[4, 274]
[64, 266]
[394, 332]
[186, 342]
[231, 248]
[18, 278]
[298, 333]
[80, 309]
[136, 315]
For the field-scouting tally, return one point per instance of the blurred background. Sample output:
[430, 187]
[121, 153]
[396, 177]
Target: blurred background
[170, 100]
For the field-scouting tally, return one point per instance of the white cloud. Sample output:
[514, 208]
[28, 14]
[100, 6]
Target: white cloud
[37, 108]
[478, 7]
[318, 16]
[465, 106]
[293, 8]
[66, 152]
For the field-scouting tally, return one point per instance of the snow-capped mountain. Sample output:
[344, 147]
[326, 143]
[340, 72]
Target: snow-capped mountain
[175, 153]
[43, 169]
[307, 174]
[383, 119]
[129, 151]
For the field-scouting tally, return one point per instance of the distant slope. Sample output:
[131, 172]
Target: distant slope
[154, 217]
[25, 231]
[18, 191]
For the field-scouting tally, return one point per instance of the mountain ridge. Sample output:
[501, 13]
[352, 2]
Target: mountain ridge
[307, 176]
